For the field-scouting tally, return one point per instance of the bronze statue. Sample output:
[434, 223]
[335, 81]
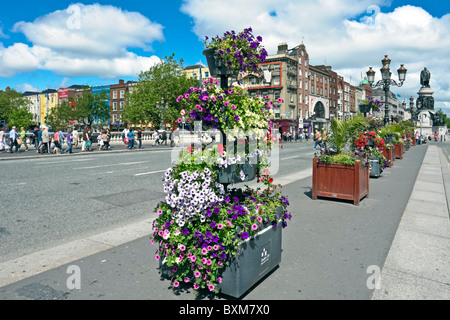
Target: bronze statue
[425, 76]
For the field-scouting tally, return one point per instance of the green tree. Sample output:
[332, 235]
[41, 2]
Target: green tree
[21, 117]
[13, 108]
[89, 107]
[59, 116]
[163, 80]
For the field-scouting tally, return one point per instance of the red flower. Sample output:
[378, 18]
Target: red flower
[270, 180]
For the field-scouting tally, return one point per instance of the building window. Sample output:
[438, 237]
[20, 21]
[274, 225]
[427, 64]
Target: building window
[122, 94]
[114, 94]
[114, 106]
[276, 80]
[122, 104]
[206, 74]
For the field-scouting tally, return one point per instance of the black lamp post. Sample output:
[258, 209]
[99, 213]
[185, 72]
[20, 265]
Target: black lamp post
[386, 81]
[162, 108]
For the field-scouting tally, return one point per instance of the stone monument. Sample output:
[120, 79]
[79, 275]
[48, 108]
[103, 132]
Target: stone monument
[425, 104]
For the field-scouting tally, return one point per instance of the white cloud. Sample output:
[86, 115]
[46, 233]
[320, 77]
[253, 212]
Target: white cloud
[350, 35]
[23, 87]
[83, 40]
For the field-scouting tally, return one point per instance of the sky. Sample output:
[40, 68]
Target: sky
[56, 44]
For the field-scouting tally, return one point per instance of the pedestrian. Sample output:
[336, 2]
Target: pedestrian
[324, 136]
[23, 136]
[130, 136]
[156, 137]
[417, 137]
[86, 140]
[100, 141]
[316, 138]
[164, 137]
[75, 137]
[2, 139]
[69, 142]
[139, 137]
[435, 136]
[56, 142]
[108, 139]
[13, 140]
[125, 136]
[104, 139]
[46, 140]
[36, 138]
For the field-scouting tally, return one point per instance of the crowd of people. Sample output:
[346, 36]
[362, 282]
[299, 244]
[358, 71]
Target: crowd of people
[57, 143]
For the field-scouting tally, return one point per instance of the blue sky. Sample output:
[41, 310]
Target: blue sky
[60, 43]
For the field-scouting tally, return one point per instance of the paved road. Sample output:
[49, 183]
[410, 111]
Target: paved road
[55, 199]
[327, 248]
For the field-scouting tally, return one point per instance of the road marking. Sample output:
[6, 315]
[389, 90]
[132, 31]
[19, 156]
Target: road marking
[111, 165]
[147, 173]
[62, 162]
[291, 157]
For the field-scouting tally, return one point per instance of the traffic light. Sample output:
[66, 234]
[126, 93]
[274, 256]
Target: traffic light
[392, 119]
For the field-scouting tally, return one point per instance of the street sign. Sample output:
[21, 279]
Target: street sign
[183, 112]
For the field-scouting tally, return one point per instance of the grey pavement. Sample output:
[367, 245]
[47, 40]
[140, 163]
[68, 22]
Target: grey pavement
[418, 264]
[330, 248]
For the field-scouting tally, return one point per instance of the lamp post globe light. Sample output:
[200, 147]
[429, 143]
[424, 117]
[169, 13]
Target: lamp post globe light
[162, 107]
[386, 82]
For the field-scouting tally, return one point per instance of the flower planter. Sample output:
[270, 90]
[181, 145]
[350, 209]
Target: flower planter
[257, 257]
[340, 181]
[388, 153]
[398, 150]
[217, 66]
[231, 174]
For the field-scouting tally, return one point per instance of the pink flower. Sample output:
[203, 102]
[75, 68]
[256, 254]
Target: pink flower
[204, 251]
[259, 219]
[197, 274]
[209, 262]
[219, 226]
[157, 257]
[196, 286]
[204, 260]
[211, 287]
[176, 284]
[193, 258]
[182, 247]
[254, 226]
[216, 247]
[186, 280]
[219, 279]
[160, 211]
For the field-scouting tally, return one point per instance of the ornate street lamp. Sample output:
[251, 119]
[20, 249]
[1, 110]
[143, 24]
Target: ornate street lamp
[162, 108]
[386, 81]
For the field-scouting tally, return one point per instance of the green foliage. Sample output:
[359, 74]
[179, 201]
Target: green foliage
[343, 131]
[163, 80]
[13, 108]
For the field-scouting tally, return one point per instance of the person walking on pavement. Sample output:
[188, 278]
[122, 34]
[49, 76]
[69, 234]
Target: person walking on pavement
[435, 136]
[139, 138]
[2, 139]
[86, 140]
[69, 142]
[36, 138]
[108, 139]
[130, 136]
[13, 140]
[46, 139]
[316, 138]
[75, 137]
[23, 136]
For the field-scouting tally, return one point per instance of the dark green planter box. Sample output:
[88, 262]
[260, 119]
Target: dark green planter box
[259, 256]
[231, 174]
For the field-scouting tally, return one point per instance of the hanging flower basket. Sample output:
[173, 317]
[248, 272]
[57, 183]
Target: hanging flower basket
[217, 66]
